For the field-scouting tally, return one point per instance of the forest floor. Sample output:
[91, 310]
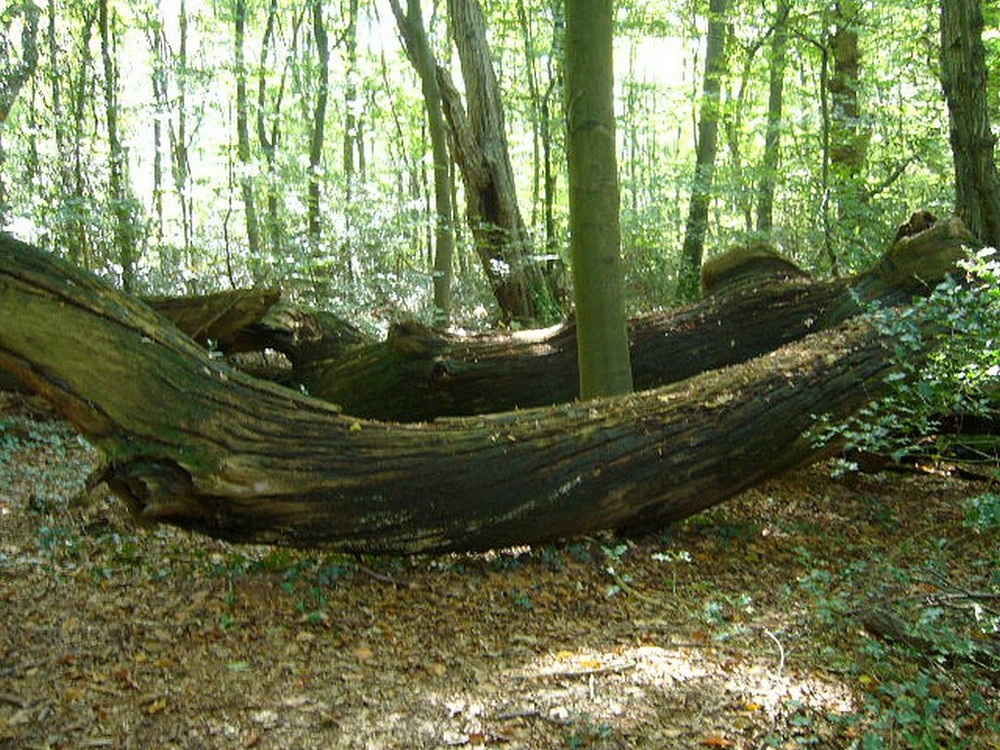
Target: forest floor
[858, 611]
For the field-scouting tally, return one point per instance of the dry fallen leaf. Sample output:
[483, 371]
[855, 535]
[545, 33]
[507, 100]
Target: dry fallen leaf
[715, 739]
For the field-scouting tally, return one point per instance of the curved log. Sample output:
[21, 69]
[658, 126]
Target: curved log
[191, 442]
[417, 374]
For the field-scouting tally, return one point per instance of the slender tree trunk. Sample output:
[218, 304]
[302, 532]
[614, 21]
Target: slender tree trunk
[964, 77]
[350, 142]
[66, 234]
[602, 337]
[534, 109]
[708, 135]
[775, 109]
[13, 76]
[848, 138]
[121, 210]
[83, 93]
[159, 80]
[481, 152]
[243, 135]
[411, 26]
[552, 94]
[267, 137]
[317, 135]
[180, 163]
[733, 126]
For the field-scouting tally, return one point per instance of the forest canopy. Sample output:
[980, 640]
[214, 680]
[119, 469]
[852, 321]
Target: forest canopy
[184, 146]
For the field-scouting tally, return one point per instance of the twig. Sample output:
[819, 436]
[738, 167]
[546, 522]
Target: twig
[609, 668]
[781, 650]
[13, 700]
[382, 577]
[526, 713]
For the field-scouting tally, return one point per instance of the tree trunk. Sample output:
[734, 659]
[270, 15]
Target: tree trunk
[708, 136]
[161, 103]
[193, 443]
[122, 204]
[480, 150]
[243, 134]
[81, 250]
[351, 140]
[13, 76]
[964, 77]
[316, 136]
[181, 165]
[775, 109]
[411, 28]
[848, 137]
[269, 122]
[759, 303]
[602, 338]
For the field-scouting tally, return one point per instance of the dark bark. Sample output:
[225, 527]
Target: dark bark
[480, 150]
[254, 322]
[190, 442]
[418, 375]
[964, 77]
[219, 317]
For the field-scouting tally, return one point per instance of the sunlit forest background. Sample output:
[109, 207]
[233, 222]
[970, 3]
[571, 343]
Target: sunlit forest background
[150, 131]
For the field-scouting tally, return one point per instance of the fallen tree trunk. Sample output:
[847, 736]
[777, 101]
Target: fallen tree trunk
[417, 374]
[219, 317]
[191, 442]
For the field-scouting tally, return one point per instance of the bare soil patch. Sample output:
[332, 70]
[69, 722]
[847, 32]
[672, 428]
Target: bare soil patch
[743, 628]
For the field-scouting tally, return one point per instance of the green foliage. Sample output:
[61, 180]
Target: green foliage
[946, 360]
[983, 512]
[373, 253]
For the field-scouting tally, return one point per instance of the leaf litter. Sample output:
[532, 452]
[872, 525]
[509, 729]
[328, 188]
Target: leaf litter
[741, 628]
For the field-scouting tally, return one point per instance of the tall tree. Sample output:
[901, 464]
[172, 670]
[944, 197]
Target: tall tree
[82, 94]
[121, 203]
[964, 78]
[269, 117]
[708, 137]
[411, 28]
[317, 134]
[243, 132]
[179, 139]
[848, 136]
[15, 70]
[157, 40]
[482, 154]
[602, 336]
[352, 123]
[775, 109]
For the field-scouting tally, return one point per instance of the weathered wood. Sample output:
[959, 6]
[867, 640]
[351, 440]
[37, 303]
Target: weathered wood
[216, 317]
[417, 374]
[194, 443]
[250, 320]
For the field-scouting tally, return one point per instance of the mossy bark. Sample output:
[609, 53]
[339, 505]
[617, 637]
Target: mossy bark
[190, 442]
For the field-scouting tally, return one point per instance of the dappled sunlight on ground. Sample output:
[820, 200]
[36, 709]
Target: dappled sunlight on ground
[736, 629]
